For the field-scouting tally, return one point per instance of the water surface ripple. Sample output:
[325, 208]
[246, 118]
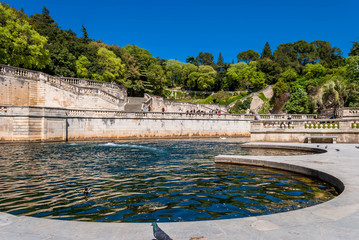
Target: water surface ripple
[143, 181]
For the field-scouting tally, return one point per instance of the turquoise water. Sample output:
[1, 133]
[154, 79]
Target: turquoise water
[144, 181]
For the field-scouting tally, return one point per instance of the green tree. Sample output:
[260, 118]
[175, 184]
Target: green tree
[20, 44]
[192, 60]
[267, 52]
[113, 69]
[132, 75]
[248, 56]
[207, 77]
[82, 64]
[143, 58]
[173, 72]
[304, 52]
[285, 55]
[192, 80]
[314, 70]
[246, 76]
[202, 80]
[233, 77]
[270, 68]
[187, 69]
[63, 63]
[334, 93]
[280, 87]
[327, 55]
[352, 65]
[298, 103]
[290, 75]
[155, 83]
[220, 61]
[205, 58]
[354, 51]
[85, 36]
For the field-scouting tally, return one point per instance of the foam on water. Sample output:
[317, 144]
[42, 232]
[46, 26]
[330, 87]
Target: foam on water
[110, 144]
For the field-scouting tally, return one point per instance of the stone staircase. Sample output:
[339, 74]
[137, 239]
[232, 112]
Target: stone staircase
[110, 92]
[134, 104]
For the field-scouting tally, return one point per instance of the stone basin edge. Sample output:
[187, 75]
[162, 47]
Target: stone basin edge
[252, 161]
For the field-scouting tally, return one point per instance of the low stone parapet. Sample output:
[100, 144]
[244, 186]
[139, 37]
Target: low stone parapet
[346, 130]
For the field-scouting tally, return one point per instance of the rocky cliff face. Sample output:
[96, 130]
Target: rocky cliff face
[279, 103]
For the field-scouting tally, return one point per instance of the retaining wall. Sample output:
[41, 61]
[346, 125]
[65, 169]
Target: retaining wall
[57, 124]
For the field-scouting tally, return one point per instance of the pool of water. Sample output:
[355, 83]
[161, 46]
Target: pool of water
[144, 181]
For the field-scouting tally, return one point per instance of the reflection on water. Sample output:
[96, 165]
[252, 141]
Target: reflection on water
[143, 181]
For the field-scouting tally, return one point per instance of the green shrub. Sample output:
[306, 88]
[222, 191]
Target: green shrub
[299, 102]
[241, 106]
[265, 108]
[206, 100]
[263, 97]
[235, 98]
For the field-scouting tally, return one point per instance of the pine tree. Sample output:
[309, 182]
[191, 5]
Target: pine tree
[85, 35]
[267, 52]
[220, 61]
[45, 11]
[354, 51]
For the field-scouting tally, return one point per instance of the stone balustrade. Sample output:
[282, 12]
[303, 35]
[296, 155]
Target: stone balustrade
[350, 112]
[266, 122]
[8, 70]
[306, 125]
[157, 115]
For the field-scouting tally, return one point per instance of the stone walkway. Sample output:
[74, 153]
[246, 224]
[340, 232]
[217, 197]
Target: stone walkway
[335, 219]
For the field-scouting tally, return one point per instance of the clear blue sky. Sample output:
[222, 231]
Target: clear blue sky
[176, 29]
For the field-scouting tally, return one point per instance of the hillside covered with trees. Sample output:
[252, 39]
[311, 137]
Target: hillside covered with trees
[306, 77]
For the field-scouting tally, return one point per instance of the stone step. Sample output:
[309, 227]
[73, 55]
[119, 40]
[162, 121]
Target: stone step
[136, 100]
[134, 104]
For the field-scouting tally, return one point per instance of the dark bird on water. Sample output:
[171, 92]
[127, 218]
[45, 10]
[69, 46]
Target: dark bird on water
[337, 149]
[357, 147]
[87, 190]
[158, 233]
[317, 145]
[326, 146]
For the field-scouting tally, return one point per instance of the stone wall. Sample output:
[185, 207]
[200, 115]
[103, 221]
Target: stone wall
[171, 106]
[115, 128]
[57, 124]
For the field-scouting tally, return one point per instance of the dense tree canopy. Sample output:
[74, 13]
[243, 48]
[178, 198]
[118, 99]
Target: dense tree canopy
[20, 44]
